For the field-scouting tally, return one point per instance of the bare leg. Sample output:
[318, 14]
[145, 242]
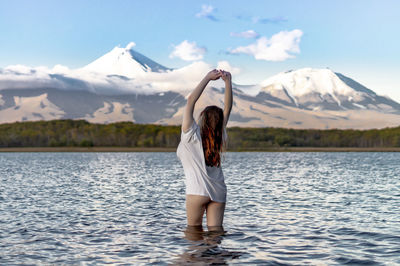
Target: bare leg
[195, 207]
[215, 215]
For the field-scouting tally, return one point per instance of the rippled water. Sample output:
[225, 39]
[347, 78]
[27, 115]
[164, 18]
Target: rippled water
[283, 208]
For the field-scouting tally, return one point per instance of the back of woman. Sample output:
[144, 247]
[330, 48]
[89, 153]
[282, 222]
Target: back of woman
[200, 153]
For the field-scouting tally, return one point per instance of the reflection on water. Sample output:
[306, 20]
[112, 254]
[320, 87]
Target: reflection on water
[205, 247]
[129, 208]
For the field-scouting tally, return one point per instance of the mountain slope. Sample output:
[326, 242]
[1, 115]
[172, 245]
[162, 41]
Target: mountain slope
[29, 104]
[322, 89]
[255, 111]
[124, 85]
[167, 108]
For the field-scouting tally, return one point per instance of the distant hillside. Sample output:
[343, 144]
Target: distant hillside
[125, 85]
[79, 133]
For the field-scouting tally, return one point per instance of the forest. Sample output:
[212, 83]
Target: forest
[80, 133]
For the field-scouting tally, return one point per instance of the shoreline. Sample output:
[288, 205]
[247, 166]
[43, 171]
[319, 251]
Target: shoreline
[162, 149]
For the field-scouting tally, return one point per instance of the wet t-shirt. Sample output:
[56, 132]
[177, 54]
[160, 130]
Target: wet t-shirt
[200, 179]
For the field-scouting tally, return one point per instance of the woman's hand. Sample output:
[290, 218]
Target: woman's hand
[194, 96]
[225, 75]
[214, 74]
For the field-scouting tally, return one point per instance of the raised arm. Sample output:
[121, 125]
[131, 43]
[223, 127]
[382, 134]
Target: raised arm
[226, 76]
[194, 96]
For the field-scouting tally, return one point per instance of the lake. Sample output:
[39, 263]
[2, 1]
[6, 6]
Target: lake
[129, 208]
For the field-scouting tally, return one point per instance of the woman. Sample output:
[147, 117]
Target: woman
[200, 153]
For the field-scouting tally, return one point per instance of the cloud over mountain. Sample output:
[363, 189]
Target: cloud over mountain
[225, 65]
[122, 70]
[124, 85]
[279, 47]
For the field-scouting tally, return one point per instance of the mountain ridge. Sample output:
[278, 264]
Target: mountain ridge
[323, 89]
[124, 85]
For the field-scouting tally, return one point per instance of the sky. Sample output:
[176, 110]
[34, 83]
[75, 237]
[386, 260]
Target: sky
[258, 39]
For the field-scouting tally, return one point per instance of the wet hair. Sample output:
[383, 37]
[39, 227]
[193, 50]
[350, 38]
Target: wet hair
[211, 121]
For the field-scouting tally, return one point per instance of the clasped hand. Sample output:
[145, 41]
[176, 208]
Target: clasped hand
[216, 74]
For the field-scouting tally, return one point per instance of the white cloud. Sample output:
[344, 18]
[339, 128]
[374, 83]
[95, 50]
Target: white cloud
[224, 65]
[279, 47]
[188, 51]
[249, 34]
[63, 78]
[182, 79]
[206, 12]
[130, 45]
[21, 69]
[60, 77]
[60, 69]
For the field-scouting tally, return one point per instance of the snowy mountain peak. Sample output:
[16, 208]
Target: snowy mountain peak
[307, 81]
[318, 89]
[124, 62]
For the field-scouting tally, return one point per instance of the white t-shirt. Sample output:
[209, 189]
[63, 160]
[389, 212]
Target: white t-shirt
[200, 179]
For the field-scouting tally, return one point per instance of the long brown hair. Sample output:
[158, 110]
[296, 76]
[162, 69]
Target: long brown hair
[211, 122]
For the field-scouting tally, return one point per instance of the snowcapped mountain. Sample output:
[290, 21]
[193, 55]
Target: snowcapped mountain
[124, 85]
[124, 62]
[323, 89]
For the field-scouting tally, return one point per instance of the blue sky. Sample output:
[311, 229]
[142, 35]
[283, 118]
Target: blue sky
[357, 38]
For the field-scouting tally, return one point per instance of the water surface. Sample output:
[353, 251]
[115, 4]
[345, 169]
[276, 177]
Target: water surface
[288, 208]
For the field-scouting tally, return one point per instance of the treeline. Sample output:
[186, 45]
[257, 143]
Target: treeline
[70, 133]
[264, 138]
